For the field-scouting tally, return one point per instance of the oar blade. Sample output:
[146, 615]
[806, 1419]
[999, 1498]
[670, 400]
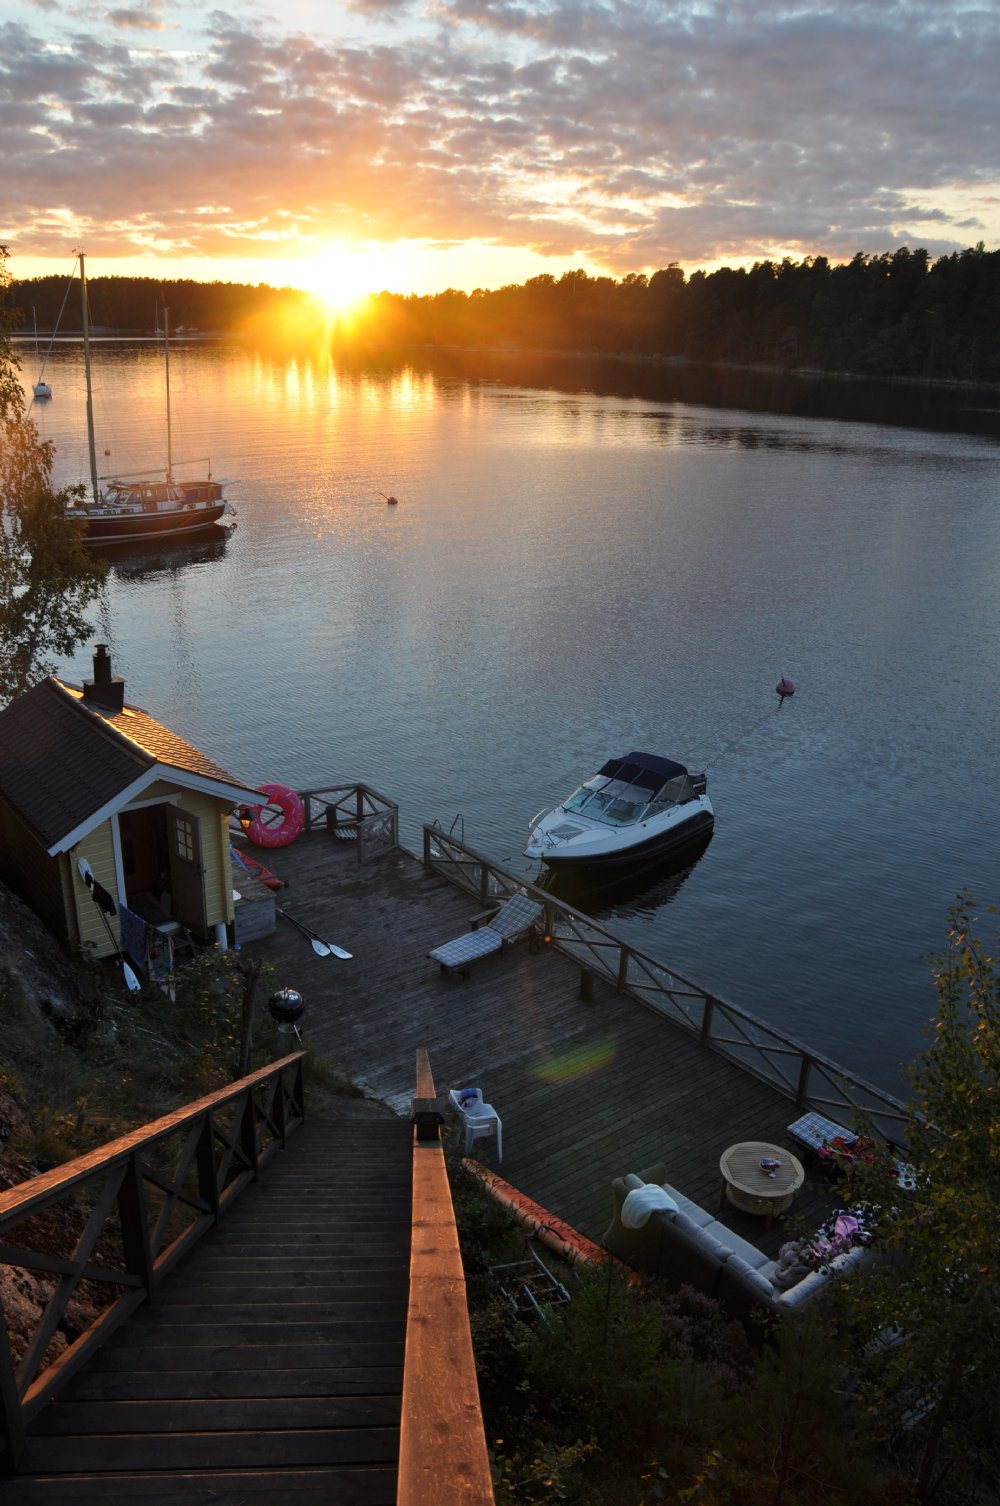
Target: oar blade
[338, 951]
[320, 948]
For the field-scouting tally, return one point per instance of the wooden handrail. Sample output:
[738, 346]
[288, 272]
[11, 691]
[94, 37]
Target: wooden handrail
[135, 1216]
[806, 1077]
[442, 1443]
[372, 818]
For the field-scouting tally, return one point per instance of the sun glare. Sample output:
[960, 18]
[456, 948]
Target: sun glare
[341, 278]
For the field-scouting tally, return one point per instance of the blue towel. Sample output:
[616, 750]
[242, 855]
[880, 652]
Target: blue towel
[133, 934]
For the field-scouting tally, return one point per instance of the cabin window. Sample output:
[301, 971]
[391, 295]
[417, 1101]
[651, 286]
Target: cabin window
[184, 838]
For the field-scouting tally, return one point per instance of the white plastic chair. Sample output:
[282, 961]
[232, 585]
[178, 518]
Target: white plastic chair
[482, 1122]
[463, 1098]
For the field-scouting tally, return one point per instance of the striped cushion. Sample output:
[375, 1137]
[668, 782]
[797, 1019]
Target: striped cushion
[467, 948]
[516, 916]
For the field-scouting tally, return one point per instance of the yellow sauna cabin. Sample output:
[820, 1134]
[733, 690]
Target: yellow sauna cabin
[107, 816]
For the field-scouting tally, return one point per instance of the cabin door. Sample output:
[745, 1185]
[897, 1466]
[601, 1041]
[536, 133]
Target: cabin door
[187, 875]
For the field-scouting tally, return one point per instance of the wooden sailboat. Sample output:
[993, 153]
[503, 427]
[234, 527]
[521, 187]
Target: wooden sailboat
[141, 508]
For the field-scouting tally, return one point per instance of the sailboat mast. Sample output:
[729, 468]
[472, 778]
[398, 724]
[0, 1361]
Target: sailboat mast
[166, 360]
[90, 390]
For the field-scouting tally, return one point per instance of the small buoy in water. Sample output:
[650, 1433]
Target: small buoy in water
[392, 501]
[785, 687]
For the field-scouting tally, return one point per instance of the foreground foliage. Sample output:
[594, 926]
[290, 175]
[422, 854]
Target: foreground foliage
[630, 1396]
[47, 578]
[928, 1323]
[127, 1059]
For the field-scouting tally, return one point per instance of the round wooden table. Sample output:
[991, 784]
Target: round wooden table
[747, 1185]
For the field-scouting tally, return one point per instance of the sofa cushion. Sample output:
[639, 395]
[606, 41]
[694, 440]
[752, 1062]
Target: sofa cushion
[742, 1288]
[694, 1211]
[735, 1242]
[691, 1256]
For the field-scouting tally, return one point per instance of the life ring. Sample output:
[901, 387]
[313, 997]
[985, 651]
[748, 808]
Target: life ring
[277, 821]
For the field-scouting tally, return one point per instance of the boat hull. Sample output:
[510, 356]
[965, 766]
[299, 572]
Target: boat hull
[671, 839]
[124, 528]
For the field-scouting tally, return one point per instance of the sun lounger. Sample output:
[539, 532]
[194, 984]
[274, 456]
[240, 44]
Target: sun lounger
[509, 924]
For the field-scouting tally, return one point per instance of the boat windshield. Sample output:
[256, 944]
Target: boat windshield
[609, 800]
[589, 795]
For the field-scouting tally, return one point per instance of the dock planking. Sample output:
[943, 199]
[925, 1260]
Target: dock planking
[586, 1089]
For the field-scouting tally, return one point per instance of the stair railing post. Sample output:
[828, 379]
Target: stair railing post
[279, 1108]
[208, 1177]
[248, 1131]
[134, 1217]
[10, 1400]
[425, 1115]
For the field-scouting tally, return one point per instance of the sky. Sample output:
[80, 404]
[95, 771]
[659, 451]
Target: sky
[415, 145]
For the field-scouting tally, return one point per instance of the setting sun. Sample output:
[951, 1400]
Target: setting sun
[342, 277]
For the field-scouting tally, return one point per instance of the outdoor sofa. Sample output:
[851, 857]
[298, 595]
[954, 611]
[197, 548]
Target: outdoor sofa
[687, 1246]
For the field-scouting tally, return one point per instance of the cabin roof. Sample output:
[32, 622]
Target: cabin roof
[66, 764]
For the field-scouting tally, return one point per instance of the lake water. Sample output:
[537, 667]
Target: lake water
[582, 563]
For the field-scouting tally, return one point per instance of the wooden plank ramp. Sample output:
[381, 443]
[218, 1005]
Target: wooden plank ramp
[270, 1367]
[586, 1089]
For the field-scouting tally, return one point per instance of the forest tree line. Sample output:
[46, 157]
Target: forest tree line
[894, 314]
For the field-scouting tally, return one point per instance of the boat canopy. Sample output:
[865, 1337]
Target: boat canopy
[643, 769]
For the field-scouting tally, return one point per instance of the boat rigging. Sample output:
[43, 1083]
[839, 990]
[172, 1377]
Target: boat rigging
[140, 509]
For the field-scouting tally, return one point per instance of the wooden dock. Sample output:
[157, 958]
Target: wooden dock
[269, 1365]
[586, 1089]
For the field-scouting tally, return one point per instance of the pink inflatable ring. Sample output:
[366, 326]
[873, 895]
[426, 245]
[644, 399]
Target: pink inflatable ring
[278, 821]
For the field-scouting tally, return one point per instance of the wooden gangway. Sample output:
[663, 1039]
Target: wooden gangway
[311, 1345]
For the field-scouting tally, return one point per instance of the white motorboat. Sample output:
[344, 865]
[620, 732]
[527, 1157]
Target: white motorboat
[633, 808]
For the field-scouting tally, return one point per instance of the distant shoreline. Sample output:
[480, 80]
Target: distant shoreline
[610, 358]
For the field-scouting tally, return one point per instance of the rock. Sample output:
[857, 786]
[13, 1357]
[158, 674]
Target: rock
[34, 965]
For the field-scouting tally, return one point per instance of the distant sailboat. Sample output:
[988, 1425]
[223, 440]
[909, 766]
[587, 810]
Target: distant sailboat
[143, 509]
[41, 387]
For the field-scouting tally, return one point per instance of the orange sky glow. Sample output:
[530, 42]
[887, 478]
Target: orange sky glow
[410, 146]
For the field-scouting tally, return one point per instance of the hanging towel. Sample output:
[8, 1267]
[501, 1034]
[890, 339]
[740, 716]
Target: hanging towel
[133, 932]
[161, 958]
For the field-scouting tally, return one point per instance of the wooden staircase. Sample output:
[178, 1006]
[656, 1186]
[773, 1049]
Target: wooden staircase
[270, 1367]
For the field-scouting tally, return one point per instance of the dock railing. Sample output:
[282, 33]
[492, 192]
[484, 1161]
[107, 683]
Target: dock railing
[808, 1079]
[132, 1208]
[442, 1442]
[357, 813]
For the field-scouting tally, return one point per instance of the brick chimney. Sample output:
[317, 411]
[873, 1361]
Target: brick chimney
[105, 692]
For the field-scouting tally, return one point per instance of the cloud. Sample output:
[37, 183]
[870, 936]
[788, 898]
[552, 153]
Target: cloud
[627, 133]
[146, 19]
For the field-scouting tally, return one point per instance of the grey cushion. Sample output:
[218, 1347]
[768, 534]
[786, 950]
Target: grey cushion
[690, 1255]
[742, 1288]
[735, 1242]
